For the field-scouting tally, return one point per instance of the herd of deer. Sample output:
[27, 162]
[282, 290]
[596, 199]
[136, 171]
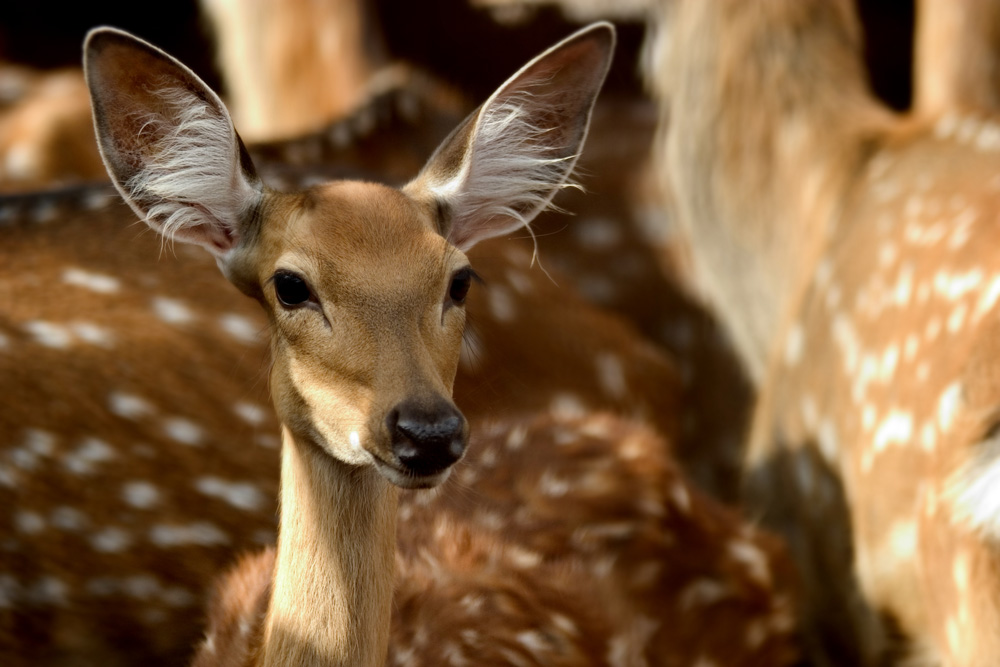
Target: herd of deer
[543, 515]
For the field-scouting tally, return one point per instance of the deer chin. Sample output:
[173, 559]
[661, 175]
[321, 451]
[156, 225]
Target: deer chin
[398, 475]
[353, 451]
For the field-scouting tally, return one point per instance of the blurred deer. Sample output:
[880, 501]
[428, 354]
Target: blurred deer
[851, 251]
[955, 68]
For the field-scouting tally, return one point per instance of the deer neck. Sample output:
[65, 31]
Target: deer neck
[334, 574]
[768, 112]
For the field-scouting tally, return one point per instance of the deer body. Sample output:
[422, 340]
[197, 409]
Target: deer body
[912, 453]
[872, 436]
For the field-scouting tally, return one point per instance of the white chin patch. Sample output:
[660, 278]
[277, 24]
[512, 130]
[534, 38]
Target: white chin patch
[405, 481]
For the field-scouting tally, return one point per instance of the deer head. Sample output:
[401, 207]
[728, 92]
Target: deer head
[364, 285]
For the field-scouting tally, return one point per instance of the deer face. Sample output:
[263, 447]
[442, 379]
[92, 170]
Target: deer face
[367, 305]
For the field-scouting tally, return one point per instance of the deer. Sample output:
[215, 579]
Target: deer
[364, 289]
[849, 250]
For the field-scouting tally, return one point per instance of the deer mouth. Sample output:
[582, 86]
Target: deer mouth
[407, 478]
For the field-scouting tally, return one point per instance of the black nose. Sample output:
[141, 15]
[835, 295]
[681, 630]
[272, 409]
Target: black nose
[427, 439]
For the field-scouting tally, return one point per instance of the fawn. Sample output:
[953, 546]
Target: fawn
[365, 287]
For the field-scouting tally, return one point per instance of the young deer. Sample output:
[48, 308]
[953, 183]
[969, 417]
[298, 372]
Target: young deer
[853, 253]
[364, 287]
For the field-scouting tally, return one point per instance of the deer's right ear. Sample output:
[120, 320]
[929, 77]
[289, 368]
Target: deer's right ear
[502, 167]
[169, 144]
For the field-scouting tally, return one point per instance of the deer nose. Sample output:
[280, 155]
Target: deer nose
[426, 439]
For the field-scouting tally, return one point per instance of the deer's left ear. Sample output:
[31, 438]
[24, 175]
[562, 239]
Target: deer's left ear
[504, 164]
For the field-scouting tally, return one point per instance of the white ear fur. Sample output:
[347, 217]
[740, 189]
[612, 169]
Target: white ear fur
[502, 167]
[168, 143]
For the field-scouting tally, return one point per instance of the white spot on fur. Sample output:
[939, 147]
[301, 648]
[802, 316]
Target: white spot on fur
[829, 445]
[183, 431]
[110, 540]
[241, 328]
[95, 282]
[628, 649]
[68, 518]
[172, 311]
[597, 233]
[948, 406]
[30, 523]
[88, 332]
[8, 477]
[355, 440]
[95, 200]
[267, 440]
[794, 343]
[129, 406]
[611, 374]
[957, 318]
[567, 406]
[49, 334]
[200, 533]
[241, 495]
[501, 303]
[927, 437]
[987, 299]
[903, 538]
[551, 485]
[88, 455]
[250, 413]
[846, 339]
[516, 437]
[48, 591]
[141, 495]
[960, 572]
[896, 428]
[680, 497]
[534, 642]
[753, 558]
[37, 444]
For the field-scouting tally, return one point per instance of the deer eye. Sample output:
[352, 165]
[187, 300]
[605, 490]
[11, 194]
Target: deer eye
[291, 289]
[460, 284]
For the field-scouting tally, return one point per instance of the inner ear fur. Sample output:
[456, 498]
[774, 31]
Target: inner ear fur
[168, 143]
[503, 165]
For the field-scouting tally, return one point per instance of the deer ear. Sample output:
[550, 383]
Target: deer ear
[503, 165]
[169, 144]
